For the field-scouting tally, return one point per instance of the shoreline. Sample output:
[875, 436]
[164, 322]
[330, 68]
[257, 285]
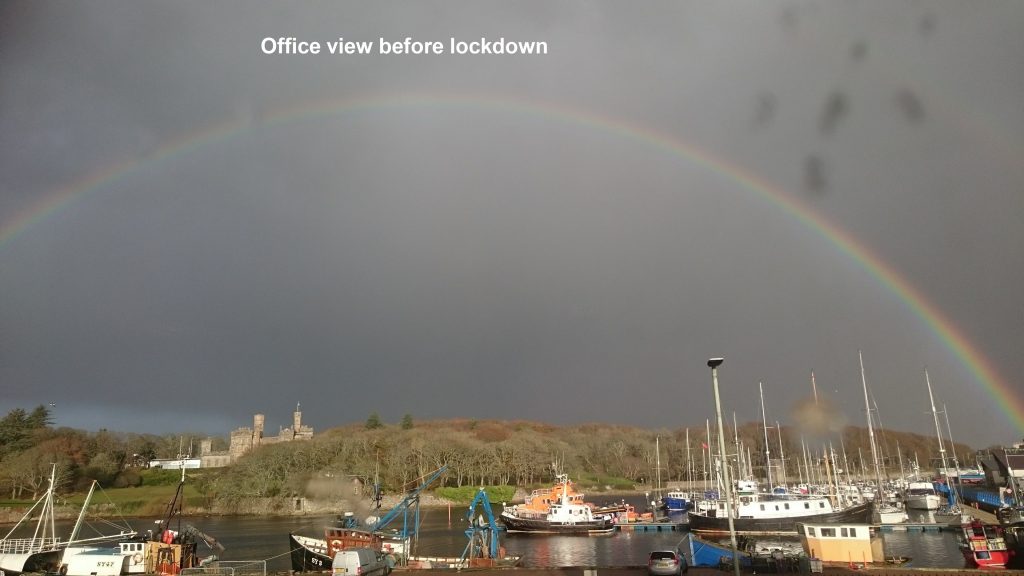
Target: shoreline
[282, 507]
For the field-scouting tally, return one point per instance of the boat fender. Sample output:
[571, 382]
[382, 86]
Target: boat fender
[137, 558]
[63, 570]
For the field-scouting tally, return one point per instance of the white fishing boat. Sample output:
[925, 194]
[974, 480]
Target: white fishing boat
[164, 551]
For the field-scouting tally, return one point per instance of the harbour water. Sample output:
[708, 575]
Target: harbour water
[266, 538]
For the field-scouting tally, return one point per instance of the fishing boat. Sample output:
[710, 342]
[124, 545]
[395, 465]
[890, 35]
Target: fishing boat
[44, 551]
[167, 553]
[564, 517]
[313, 554]
[984, 545]
[165, 550]
[483, 550]
[310, 554]
[677, 501]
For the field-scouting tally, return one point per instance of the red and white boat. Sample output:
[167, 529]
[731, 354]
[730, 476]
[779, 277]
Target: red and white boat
[984, 545]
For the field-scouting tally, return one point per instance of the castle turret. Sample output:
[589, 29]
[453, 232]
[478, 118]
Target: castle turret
[257, 429]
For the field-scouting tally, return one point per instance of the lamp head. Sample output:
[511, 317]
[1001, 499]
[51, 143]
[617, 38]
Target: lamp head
[715, 362]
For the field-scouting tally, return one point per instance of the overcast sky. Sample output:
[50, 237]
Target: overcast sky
[193, 231]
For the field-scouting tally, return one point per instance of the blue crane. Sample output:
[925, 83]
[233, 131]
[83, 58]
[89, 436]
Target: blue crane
[411, 501]
[483, 531]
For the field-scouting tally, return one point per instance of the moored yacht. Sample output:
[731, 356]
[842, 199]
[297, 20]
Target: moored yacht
[921, 496]
[772, 514]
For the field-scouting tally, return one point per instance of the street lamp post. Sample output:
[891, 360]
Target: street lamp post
[714, 363]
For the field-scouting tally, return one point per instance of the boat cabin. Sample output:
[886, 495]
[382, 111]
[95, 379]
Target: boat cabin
[752, 506]
[841, 542]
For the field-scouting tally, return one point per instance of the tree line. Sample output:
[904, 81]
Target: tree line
[30, 446]
[474, 452]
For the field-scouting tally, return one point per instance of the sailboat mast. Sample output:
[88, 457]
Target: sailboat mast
[814, 389]
[807, 462]
[828, 474]
[899, 454]
[740, 470]
[707, 425]
[767, 448]
[935, 417]
[956, 463]
[782, 455]
[949, 434]
[689, 463]
[871, 431]
[657, 449]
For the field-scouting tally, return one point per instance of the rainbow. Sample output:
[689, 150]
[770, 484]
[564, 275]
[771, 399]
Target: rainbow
[979, 367]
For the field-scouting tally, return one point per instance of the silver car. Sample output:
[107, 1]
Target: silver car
[666, 563]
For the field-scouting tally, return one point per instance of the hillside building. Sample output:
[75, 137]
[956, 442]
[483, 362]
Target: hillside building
[245, 439]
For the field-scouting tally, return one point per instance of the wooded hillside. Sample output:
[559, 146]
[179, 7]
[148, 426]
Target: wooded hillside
[476, 453]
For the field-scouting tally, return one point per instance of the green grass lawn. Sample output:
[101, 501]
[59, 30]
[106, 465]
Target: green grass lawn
[150, 499]
[139, 501]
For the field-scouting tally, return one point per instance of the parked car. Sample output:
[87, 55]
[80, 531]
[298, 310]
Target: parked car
[666, 563]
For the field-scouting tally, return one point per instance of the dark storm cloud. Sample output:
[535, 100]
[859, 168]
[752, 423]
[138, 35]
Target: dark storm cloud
[472, 250]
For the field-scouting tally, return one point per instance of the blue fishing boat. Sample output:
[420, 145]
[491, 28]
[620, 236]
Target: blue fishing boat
[676, 501]
[703, 552]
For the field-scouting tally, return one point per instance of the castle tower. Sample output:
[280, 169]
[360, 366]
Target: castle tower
[205, 446]
[257, 429]
[297, 418]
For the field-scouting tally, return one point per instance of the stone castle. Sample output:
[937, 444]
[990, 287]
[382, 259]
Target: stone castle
[245, 439]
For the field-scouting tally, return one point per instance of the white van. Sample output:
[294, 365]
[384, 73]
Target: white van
[360, 562]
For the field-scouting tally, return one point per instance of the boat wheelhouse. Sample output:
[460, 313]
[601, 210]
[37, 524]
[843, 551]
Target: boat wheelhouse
[846, 543]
